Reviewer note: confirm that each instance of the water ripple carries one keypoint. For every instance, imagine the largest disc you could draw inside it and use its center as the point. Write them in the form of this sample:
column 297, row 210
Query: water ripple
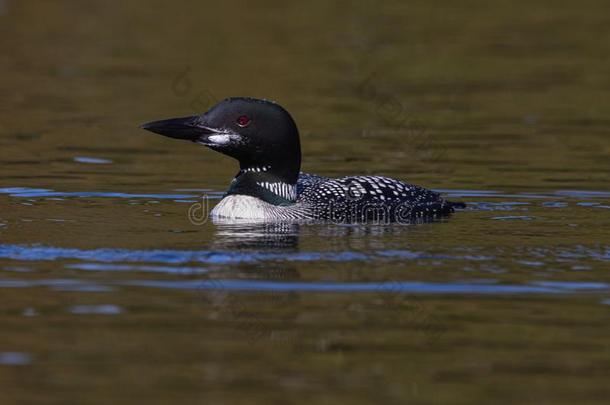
column 24, row 192
column 45, row 253
column 106, row 309
column 15, row 358
column 392, row 288
column 92, row 160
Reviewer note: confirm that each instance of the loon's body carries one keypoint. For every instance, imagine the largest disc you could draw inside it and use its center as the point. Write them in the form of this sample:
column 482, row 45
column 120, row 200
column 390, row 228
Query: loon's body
column 262, row 136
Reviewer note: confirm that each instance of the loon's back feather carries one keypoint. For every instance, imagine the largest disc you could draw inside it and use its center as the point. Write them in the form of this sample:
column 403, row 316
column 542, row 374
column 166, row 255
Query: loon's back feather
column 365, row 198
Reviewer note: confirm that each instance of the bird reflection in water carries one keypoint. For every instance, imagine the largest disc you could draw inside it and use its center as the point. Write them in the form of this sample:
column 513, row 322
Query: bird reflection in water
column 261, row 237
column 252, row 235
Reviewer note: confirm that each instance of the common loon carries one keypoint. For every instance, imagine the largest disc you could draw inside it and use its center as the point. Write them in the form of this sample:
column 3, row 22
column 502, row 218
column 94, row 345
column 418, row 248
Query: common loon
column 263, row 137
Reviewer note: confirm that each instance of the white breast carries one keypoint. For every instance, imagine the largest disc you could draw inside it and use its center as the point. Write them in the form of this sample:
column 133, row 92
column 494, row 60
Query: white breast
column 247, row 207
column 243, row 207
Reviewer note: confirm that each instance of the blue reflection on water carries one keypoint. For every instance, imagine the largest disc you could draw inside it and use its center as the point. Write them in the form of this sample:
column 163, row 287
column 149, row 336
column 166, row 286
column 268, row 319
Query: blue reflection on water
column 92, row 160
column 15, row 358
column 43, row 192
column 392, row 288
column 21, row 252
column 106, row 309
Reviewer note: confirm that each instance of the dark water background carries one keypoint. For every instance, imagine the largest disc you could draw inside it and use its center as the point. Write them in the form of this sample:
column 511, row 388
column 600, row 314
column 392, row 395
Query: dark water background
column 110, row 295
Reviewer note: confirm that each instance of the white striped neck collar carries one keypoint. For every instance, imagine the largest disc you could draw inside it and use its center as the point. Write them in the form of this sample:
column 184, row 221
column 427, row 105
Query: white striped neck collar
column 262, row 183
column 284, row 190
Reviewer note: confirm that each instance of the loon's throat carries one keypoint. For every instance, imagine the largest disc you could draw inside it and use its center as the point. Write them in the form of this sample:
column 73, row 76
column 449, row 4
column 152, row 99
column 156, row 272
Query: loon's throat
column 264, row 185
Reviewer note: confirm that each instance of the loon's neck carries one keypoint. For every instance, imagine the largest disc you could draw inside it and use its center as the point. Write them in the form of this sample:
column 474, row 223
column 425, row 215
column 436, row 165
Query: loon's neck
column 265, row 183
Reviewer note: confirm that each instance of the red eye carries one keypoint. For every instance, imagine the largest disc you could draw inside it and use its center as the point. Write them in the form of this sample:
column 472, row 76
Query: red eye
column 243, row 121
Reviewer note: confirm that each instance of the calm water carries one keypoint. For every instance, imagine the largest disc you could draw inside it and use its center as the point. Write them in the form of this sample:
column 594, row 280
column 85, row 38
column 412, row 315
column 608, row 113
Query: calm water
column 110, row 294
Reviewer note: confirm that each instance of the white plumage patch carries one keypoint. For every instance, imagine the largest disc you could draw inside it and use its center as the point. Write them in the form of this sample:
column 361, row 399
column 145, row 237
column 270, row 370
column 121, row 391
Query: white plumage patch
column 247, row 207
column 223, row 139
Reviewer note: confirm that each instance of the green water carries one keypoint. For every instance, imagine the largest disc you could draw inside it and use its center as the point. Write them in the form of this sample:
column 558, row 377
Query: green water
column 110, row 295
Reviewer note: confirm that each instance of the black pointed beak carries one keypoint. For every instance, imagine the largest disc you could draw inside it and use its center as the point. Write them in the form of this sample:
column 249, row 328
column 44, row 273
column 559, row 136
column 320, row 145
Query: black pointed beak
column 187, row 128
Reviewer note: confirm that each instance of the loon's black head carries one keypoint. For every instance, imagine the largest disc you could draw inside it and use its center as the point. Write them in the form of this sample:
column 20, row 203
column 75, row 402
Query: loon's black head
column 260, row 134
